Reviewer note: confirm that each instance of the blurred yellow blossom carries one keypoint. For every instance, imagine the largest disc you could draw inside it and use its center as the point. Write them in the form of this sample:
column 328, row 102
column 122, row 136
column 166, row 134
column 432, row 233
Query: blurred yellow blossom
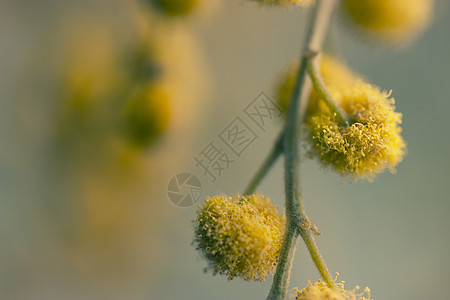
column 174, row 8
column 396, row 21
column 147, row 114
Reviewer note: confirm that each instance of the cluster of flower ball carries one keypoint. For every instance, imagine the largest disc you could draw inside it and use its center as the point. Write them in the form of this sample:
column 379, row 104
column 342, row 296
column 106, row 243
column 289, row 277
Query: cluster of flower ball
column 122, row 90
column 126, row 90
column 241, row 236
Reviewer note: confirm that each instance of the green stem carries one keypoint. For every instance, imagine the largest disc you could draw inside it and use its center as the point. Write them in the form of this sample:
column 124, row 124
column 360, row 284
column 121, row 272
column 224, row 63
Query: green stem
column 322, row 90
column 320, row 87
column 295, row 212
column 281, row 279
column 266, row 166
column 317, row 258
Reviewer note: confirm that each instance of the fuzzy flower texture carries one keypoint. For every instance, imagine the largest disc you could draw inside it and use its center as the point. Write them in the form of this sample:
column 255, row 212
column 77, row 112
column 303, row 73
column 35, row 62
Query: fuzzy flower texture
column 366, row 146
column 320, row 291
column 240, row 235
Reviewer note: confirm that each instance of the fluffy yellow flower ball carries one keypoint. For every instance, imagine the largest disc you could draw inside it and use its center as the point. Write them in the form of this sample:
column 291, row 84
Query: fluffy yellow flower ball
column 240, row 235
column 393, row 20
column 320, row 291
column 369, row 144
column 286, row 2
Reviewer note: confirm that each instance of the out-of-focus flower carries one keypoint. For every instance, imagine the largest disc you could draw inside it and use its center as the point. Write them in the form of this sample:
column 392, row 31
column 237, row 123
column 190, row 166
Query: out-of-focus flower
column 173, row 8
column 146, row 114
column 396, row 21
column 129, row 99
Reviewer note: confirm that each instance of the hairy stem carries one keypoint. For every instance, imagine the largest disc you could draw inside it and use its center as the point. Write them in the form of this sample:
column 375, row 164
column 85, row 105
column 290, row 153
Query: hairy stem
column 266, row 166
column 322, row 90
column 295, row 212
column 317, row 258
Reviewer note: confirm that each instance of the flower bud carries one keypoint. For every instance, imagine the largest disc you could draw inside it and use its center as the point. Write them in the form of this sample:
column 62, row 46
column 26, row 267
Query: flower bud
column 147, row 114
column 240, row 235
column 392, row 20
column 173, row 8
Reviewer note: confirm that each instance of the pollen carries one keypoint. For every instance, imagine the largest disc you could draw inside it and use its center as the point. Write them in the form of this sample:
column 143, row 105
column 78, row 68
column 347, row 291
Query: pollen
column 239, row 236
column 366, row 146
column 320, row 291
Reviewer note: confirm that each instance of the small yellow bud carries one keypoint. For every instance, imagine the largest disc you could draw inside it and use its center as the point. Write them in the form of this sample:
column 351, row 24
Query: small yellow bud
column 320, row 291
column 240, row 235
column 286, row 2
column 392, row 20
column 147, row 114
column 369, row 144
column 173, row 8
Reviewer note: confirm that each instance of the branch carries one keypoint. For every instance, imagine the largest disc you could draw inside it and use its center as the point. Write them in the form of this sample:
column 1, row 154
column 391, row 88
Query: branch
column 295, row 212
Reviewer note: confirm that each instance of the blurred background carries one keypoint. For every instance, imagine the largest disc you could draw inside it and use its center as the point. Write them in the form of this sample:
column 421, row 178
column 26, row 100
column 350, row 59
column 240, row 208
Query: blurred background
column 103, row 102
